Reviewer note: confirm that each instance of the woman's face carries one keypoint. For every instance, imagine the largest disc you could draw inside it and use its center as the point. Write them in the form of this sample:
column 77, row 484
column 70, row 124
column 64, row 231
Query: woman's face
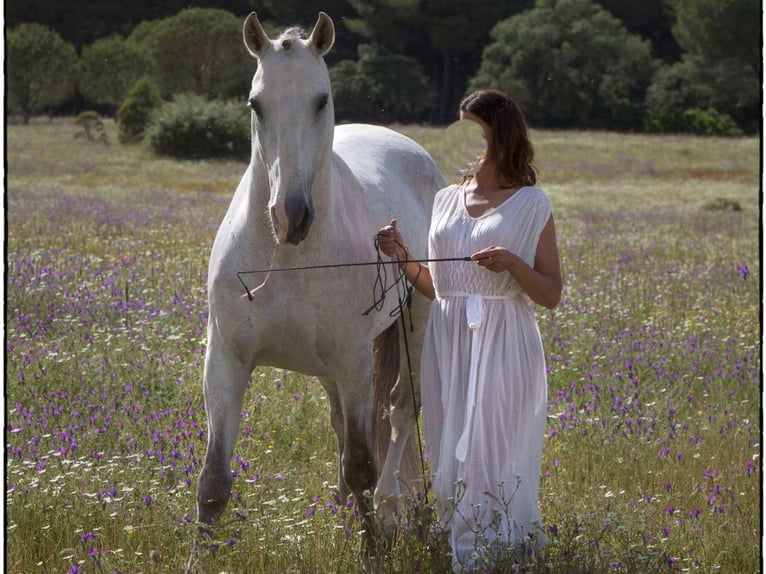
column 485, row 129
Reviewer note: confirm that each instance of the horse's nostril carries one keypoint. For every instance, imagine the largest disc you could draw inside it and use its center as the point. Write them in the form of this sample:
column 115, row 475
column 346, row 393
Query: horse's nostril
column 300, row 215
column 306, row 219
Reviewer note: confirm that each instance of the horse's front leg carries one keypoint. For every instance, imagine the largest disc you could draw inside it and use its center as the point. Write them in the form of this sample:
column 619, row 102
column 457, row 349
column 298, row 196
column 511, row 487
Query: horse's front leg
column 225, row 381
column 336, row 420
column 357, row 458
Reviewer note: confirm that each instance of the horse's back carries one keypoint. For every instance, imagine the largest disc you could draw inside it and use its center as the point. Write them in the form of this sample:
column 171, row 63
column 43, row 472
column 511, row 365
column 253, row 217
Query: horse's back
column 385, row 160
column 397, row 176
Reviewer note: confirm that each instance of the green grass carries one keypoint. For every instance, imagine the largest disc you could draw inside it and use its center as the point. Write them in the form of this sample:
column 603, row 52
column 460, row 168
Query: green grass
column 652, row 454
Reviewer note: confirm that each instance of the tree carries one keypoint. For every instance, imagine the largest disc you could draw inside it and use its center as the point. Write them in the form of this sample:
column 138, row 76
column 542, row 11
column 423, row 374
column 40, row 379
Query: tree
column 721, row 69
column 458, row 32
column 569, row 63
column 381, row 87
column 40, row 69
column 199, row 50
column 445, row 36
column 109, row 67
column 722, row 31
column 652, row 20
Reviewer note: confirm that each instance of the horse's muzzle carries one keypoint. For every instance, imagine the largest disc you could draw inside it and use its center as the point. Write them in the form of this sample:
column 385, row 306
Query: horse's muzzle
column 300, row 215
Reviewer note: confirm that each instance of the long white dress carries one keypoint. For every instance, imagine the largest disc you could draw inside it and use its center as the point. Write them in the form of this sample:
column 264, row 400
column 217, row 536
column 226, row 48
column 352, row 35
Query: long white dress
column 483, row 379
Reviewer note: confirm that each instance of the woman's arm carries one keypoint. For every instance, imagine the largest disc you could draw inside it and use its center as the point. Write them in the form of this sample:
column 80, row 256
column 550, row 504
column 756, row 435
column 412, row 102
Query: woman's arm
column 542, row 282
column 392, row 244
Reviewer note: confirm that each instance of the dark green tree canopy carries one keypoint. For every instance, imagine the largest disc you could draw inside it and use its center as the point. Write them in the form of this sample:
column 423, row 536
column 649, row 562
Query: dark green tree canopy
column 569, row 63
column 198, row 50
column 109, row 68
column 585, row 65
column 40, row 69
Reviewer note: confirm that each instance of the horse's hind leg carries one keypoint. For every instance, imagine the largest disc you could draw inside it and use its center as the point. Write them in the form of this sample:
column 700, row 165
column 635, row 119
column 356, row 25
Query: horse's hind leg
column 224, row 384
column 401, row 466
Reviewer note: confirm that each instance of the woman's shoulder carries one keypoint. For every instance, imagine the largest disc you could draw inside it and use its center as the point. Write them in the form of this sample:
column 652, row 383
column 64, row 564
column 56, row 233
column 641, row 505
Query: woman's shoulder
column 538, row 197
column 447, row 194
column 450, row 190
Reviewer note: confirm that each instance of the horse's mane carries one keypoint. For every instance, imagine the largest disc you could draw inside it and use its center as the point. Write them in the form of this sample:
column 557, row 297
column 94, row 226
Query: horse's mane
column 291, row 35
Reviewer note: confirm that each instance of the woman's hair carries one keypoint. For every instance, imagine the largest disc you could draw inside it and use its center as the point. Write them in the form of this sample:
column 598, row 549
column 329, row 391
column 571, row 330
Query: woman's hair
column 509, row 147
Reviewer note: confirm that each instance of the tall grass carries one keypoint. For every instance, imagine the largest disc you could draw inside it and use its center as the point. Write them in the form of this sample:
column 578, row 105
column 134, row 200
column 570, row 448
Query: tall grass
column 652, row 454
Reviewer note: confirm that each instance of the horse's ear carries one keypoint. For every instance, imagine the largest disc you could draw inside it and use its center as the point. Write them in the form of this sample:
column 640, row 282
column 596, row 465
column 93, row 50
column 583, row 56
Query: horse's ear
column 255, row 38
column 323, row 35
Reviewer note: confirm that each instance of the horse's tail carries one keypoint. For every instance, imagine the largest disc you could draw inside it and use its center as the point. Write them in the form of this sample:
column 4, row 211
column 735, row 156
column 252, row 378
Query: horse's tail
column 387, row 361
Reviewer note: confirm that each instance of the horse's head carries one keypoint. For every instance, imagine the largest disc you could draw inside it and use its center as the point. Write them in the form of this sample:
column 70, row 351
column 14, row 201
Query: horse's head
column 292, row 119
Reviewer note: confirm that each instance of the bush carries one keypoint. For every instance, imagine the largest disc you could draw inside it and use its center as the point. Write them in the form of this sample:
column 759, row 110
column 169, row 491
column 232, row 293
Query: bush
column 193, row 128
column 708, row 122
column 135, row 112
column 92, row 127
column 723, row 204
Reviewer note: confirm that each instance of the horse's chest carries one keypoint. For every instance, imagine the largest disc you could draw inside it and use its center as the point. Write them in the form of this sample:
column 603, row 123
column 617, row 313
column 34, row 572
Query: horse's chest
column 284, row 329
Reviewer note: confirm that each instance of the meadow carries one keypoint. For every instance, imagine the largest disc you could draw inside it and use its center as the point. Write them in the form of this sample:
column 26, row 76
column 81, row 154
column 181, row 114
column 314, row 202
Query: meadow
column 652, row 453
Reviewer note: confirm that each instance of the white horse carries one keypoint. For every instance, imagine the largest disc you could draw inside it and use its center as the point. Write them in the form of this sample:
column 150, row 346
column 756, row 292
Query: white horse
column 314, row 194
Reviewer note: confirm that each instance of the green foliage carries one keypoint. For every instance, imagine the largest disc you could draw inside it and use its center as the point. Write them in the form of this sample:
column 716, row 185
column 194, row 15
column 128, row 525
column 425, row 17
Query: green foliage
column 199, row 50
column 708, row 122
column 569, row 63
column 698, row 83
column 92, row 127
column 381, row 87
column 191, row 127
column 109, row 67
column 722, row 30
column 722, row 64
column 40, row 69
column 135, row 112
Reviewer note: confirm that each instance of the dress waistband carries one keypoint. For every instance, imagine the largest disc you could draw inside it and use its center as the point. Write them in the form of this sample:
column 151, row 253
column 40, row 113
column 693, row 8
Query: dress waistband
column 442, row 294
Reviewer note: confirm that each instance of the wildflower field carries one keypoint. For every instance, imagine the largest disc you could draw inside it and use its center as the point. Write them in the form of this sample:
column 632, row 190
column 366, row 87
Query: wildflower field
column 652, row 454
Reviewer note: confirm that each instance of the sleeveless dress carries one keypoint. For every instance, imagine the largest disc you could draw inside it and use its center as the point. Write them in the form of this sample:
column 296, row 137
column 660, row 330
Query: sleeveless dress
column 483, row 379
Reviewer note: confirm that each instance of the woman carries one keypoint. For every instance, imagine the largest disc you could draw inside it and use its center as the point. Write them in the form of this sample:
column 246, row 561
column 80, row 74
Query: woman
column 483, row 377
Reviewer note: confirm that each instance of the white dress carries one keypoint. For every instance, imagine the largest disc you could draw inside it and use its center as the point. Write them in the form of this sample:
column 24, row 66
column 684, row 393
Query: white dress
column 483, row 378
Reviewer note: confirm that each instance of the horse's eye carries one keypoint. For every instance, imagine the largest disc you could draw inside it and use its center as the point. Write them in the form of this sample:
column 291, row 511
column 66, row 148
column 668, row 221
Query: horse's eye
column 322, row 102
column 256, row 107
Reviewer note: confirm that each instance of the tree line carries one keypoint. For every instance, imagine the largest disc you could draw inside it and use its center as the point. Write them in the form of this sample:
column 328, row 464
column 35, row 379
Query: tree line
column 658, row 65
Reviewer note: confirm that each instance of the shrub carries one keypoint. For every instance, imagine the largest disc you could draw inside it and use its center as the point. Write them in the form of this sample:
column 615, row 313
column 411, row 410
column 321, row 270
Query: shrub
column 135, row 112
column 193, row 128
column 723, row 204
column 708, row 122
column 92, row 127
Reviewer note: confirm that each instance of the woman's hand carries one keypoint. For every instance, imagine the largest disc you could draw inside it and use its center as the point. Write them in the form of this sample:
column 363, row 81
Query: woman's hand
column 391, row 242
column 497, row 259
column 542, row 282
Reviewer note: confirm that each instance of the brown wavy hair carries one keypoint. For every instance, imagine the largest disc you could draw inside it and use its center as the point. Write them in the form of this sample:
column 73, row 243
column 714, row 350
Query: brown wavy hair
column 509, row 147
